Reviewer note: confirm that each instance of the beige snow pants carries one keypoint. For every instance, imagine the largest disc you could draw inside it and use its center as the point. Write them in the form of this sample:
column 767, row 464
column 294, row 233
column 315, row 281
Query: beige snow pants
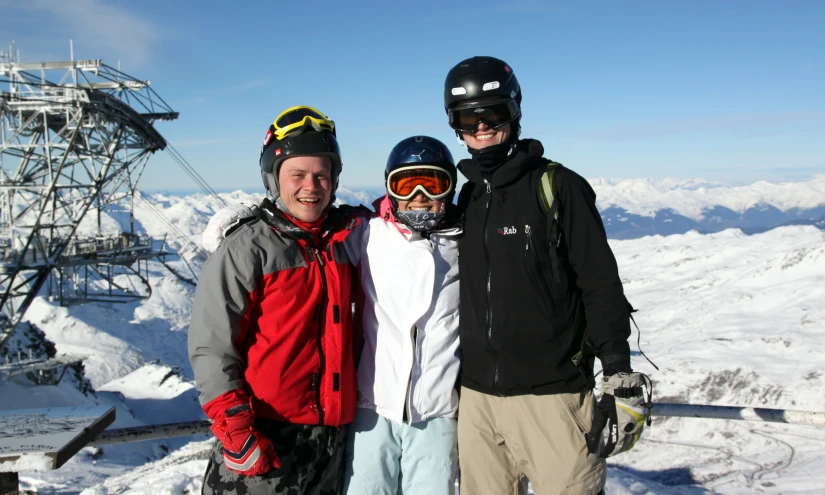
column 542, row 437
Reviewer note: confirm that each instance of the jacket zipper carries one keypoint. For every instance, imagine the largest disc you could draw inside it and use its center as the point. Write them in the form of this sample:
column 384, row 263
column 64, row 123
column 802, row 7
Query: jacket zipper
column 529, row 233
column 412, row 370
column 321, row 359
column 489, row 278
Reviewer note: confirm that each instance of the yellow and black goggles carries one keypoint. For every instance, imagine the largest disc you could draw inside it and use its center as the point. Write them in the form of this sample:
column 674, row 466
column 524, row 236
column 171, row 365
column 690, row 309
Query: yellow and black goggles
column 297, row 118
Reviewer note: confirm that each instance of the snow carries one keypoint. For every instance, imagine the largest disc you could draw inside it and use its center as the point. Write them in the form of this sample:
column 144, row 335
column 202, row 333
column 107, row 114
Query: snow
column 692, row 197
column 729, row 319
column 27, row 462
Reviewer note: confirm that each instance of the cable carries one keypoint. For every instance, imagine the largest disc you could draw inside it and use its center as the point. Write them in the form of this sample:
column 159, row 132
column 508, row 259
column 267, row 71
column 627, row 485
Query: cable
column 190, row 170
column 187, row 243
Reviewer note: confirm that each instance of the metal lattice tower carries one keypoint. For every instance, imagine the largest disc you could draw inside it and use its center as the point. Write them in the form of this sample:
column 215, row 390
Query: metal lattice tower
column 75, row 137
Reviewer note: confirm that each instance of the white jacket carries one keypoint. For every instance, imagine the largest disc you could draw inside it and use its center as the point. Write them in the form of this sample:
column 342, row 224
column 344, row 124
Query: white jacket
column 411, row 350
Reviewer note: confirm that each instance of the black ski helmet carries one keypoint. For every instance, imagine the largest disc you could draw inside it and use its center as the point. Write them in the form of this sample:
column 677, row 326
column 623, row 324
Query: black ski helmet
column 308, row 141
column 422, row 150
column 474, row 81
column 480, row 81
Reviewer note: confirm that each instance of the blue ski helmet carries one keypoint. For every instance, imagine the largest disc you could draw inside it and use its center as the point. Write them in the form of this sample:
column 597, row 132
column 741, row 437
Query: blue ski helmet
column 422, row 150
column 408, row 158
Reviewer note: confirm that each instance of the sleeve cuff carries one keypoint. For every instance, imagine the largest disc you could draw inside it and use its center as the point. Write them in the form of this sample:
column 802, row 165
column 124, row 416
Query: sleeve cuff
column 217, row 407
column 613, row 366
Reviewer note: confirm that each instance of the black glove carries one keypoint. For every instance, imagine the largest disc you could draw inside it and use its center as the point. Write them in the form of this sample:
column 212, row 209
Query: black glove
column 624, row 409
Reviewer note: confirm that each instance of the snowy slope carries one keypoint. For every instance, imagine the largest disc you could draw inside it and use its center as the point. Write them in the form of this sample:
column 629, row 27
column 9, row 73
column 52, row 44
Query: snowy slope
column 730, row 319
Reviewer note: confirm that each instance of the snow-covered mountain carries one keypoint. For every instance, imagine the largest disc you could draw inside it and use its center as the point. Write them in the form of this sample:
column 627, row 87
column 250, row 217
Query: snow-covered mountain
column 633, row 208
column 639, row 207
column 730, row 319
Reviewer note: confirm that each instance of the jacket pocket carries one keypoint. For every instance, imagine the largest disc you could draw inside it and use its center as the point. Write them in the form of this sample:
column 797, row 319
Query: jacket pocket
column 536, row 267
column 579, row 408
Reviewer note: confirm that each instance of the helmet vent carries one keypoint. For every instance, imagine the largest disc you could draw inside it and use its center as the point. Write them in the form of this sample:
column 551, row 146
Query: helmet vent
column 490, row 85
column 459, row 91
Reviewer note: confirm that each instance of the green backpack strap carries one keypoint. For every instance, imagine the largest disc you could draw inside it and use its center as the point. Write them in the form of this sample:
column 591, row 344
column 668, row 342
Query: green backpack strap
column 549, row 204
column 548, row 201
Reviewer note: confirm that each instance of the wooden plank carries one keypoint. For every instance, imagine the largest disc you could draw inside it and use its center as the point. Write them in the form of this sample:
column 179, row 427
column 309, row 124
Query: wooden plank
column 56, row 433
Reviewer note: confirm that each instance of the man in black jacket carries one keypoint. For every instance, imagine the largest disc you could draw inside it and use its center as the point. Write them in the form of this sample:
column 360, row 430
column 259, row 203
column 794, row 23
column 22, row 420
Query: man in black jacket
column 541, row 298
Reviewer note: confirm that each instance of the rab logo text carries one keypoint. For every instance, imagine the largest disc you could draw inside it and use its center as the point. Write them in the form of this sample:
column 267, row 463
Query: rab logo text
column 506, row 231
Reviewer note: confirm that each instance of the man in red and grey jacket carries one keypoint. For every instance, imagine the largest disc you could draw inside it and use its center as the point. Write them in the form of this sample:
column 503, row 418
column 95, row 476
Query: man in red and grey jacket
column 271, row 339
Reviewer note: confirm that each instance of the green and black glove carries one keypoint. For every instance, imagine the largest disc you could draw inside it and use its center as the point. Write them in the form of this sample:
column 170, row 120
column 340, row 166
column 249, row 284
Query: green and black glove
column 624, row 409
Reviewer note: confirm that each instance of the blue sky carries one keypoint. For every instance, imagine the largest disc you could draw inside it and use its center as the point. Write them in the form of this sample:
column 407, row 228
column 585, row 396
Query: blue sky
column 722, row 90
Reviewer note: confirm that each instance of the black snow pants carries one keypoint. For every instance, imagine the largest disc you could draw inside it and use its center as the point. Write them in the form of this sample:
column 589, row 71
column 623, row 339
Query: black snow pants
column 311, row 463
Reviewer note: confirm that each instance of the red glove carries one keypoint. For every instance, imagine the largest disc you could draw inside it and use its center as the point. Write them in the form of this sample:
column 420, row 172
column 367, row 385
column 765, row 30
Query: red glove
column 245, row 449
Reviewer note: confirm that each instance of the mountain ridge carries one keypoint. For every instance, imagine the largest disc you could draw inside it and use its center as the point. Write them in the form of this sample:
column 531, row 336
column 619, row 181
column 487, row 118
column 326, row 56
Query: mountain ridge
column 634, row 208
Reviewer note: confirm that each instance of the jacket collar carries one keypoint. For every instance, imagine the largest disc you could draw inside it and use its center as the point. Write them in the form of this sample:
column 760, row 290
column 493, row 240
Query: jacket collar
column 386, row 210
column 528, row 155
column 276, row 219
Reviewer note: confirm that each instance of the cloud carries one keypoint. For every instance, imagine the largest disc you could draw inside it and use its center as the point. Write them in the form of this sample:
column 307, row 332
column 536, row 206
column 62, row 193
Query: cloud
column 94, row 25
column 738, row 122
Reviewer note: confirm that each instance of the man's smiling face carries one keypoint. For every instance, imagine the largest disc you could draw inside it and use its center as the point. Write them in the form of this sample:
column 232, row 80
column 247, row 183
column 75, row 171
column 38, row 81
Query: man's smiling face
column 305, row 184
column 486, row 136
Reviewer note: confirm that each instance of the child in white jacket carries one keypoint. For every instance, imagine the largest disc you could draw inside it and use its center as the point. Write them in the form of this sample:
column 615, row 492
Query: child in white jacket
column 403, row 439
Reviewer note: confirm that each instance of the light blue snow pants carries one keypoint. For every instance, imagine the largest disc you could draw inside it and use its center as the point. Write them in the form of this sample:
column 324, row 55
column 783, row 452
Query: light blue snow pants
column 387, row 458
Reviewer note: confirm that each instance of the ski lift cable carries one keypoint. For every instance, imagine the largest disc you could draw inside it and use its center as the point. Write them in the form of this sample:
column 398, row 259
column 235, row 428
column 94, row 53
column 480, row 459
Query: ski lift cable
column 174, row 229
column 190, row 170
column 185, row 241
column 198, row 180
column 191, row 175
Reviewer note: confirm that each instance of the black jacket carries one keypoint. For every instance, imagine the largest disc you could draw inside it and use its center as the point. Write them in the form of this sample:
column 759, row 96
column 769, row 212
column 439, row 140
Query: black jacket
column 525, row 307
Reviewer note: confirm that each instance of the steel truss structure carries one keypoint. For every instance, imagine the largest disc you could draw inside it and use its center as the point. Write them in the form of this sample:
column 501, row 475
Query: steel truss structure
column 75, row 138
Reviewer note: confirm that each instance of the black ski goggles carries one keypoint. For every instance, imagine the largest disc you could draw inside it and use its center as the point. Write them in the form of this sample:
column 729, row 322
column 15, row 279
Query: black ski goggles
column 494, row 115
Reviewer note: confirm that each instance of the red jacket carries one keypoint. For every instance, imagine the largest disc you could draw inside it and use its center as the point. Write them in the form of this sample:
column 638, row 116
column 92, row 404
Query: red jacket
column 272, row 321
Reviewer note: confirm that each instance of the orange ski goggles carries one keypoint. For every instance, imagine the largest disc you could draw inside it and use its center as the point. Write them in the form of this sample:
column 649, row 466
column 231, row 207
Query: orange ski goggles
column 404, row 183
